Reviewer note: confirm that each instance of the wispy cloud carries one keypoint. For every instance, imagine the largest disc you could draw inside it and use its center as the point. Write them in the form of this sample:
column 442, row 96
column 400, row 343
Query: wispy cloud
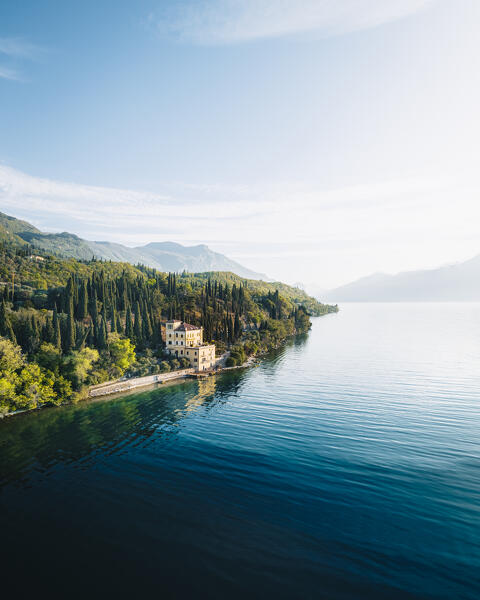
column 290, row 231
column 6, row 73
column 19, row 48
column 235, row 21
column 15, row 50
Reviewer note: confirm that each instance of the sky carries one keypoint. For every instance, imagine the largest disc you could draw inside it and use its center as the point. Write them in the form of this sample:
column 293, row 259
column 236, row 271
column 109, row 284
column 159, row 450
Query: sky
column 317, row 141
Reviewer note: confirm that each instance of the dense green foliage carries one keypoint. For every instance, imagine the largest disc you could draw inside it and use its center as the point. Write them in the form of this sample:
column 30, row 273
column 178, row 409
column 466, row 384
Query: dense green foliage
column 67, row 324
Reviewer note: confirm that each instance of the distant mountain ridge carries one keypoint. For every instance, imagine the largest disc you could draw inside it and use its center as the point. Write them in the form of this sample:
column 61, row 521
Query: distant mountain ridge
column 458, row 282
column 164, row 256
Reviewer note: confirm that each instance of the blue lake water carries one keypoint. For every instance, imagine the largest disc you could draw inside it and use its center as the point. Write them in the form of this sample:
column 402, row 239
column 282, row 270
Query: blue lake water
column 346, row 465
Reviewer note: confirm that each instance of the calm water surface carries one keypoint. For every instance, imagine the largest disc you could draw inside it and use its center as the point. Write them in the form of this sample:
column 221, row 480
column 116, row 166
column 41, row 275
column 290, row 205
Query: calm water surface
column 347, row 465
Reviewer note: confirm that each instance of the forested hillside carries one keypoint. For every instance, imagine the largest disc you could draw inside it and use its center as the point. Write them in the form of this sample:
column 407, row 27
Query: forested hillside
column 67, row 324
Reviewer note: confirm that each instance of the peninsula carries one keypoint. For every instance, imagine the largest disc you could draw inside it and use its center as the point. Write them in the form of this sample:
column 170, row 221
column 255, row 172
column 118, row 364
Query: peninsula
column 68, row 324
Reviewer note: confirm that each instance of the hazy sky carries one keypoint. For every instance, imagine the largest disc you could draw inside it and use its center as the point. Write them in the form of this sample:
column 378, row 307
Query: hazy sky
column 313, row 140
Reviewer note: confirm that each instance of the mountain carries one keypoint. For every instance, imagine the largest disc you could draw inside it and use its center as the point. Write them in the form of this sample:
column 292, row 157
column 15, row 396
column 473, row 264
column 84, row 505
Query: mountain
column 10, row 227
column 458, row 282
column 164, row 256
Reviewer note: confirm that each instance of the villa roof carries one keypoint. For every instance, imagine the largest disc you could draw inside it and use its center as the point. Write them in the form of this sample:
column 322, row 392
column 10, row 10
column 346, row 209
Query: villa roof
column 187, row 327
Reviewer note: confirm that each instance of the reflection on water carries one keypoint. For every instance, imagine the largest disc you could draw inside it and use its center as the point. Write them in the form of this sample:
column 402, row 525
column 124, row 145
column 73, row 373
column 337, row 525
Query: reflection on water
column 346, row 465
column 37, row 441
column 205, row 393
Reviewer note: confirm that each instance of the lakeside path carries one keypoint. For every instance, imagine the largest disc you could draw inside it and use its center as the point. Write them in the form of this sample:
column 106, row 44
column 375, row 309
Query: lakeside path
column 122, row 387
column 125, row 385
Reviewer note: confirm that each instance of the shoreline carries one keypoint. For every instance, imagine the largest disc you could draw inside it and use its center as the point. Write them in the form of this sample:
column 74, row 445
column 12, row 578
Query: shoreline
column 129, row 386
column 120, row 386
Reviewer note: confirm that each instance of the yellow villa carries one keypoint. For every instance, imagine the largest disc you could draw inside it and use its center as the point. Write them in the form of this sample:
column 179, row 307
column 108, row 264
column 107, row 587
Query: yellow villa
column 186, row 341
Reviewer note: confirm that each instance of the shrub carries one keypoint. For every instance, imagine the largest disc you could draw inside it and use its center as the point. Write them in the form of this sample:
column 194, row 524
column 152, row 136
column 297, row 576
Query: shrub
column 164, row 367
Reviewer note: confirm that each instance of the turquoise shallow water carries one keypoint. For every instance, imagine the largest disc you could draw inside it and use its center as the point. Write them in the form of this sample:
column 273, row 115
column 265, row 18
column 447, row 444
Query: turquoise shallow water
column 347, row 465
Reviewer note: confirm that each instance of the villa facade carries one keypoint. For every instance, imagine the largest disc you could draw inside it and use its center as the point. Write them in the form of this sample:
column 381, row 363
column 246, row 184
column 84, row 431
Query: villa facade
column 186, row 341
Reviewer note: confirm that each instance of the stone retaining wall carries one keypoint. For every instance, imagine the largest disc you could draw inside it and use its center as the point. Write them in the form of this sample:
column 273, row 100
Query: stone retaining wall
column 122, row 385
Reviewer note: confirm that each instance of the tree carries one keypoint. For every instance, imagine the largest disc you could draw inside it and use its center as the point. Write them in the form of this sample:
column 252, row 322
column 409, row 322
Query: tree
column 146, row 324
column 78, row 365
column 122, row 352
column 22, row 385
column 237, row 327
column 184, row 363
column 6, row 328
column 128, row 324
column 137, row 326
column 7, row 394
column 113, row 319
column 101, row 339
column 82, row 306
column 164, row 366
column 34, row 387
column 11, row 357
column 93, row 307
column 57, row 336
column 63, row 390
column 49, row 357
column 69, row 341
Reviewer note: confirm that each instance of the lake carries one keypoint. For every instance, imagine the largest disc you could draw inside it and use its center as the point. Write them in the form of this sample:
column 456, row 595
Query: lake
column 346, row 465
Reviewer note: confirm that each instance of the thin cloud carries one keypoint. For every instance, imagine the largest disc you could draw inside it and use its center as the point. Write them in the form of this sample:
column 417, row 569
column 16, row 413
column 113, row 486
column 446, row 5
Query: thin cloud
column 236, row 21
column 15, row 50
column 280, row 229
column 6, row 73
column 19, row 48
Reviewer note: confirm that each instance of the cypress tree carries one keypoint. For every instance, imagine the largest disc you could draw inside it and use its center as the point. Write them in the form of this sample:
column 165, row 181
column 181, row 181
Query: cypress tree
column 70, row 329
column 128, row 324
column 47, row 333
column 6, row 328
column 82, row 308
column 146, row 324
column 83, row 334
column 237, row 327
column 113, row 319
column 157, row 333
column 93, row 308
column 80, row 335
column 4, row 319
column 119, row 327
column 34, row 334
column 137, row 326
column 90, row 337
column 102, row 334
column 57, row 336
